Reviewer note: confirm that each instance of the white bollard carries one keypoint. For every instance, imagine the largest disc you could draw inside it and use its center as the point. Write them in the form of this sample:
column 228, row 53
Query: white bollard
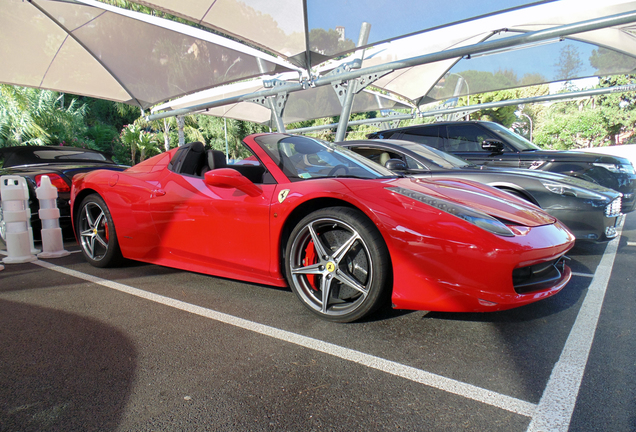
column 34, row 250
column 1, row 266
column 52, row 243
column 15, row 213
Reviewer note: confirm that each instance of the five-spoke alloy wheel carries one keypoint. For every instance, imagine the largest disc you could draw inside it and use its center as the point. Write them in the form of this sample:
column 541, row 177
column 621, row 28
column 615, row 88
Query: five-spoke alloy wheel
column 337, row 263
column 96, row 233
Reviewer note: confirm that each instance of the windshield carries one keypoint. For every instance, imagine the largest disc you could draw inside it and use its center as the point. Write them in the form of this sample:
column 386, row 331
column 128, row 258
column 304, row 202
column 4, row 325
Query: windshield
column 303, row 158
column 519, row 142
column 68, row 154
column 438, row 157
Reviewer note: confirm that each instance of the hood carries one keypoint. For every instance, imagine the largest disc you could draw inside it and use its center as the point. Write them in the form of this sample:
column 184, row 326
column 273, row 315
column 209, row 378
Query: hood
column 573, row 156
column 486, row 199
column 555, row 177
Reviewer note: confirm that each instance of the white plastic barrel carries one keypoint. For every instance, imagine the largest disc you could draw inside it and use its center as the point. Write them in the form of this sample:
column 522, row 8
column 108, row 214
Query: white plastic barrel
column 52, row 242
column 15, row 195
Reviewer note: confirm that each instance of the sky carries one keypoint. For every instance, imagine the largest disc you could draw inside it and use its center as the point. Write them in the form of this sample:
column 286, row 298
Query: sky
column 390, row 18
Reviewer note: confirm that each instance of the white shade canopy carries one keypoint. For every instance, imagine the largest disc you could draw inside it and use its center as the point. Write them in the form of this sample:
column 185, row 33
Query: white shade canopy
column 299, row 31
column 92, row 49
column 601, row 52
column 310, row 31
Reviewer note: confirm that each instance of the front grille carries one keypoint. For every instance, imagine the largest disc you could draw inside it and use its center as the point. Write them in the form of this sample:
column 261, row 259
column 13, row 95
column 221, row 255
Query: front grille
column 614, row 208
column 539, row 276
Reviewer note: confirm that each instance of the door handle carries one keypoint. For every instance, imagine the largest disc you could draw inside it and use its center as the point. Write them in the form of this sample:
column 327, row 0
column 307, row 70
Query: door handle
column 157, row 193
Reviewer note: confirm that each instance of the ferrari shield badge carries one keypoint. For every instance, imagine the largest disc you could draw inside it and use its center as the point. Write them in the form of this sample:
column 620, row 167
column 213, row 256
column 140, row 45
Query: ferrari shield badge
column 282, row 195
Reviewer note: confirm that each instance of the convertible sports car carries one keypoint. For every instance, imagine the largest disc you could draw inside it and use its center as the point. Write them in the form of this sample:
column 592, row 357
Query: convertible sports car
column 345, row 233
column 60, row 164
column 589, row 210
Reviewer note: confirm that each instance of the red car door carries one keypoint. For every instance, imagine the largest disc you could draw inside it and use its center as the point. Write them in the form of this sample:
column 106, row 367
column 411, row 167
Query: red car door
column 202, row 226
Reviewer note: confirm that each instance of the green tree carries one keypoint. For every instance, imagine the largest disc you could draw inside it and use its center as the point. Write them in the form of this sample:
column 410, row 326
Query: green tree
column 37, row 117
column 19, row 117
column 328, row 42
column 147, row 144
column 608, row 62
column 569, row 64
column 129, row 137
column 592, row 122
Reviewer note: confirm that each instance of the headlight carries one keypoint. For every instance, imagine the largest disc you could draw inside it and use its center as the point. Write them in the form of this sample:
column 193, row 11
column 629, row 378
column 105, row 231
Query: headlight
column 569, row 190
column 616, row 168
column 614, row 208
column 482, row 220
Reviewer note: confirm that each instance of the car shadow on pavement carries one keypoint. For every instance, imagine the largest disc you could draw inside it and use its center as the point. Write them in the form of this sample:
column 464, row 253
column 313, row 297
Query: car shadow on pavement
column 61, row 371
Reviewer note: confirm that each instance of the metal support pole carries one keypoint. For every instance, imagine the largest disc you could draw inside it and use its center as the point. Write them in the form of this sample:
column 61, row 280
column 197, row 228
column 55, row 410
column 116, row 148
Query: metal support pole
column 352, row 87
column 181, row 126
column 227, row 147
column 278, row 106
column 275, row 106
column 345, row 113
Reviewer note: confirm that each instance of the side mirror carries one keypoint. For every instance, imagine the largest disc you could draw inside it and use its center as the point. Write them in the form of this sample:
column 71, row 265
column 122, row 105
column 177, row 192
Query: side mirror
column 492, row 146
column 231, row 178
column 395, row 165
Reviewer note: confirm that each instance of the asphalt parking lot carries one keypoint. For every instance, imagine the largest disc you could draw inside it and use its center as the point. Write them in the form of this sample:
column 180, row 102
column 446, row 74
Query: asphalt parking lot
column 148, row 348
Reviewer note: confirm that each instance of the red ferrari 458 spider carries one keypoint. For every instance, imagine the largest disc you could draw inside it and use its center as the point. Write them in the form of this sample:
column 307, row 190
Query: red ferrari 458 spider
column 344, row 233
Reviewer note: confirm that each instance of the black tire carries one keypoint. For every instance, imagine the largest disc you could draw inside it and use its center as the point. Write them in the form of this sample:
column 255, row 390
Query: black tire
column 96, row 233
column 346, row 277
column 517, row 193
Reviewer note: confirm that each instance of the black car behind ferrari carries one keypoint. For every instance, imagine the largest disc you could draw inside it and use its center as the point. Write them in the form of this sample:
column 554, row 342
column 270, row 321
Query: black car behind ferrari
column 589, row 210
column 60, row 164
column 491, row 144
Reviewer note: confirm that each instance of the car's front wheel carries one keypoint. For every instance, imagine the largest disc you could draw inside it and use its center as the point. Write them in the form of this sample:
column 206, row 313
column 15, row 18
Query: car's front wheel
column 96, row 233
column 338, row 265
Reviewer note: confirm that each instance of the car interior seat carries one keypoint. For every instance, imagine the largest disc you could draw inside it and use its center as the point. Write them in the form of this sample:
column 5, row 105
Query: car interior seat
column 193, row 160
column 384, row 158
column 213, row 159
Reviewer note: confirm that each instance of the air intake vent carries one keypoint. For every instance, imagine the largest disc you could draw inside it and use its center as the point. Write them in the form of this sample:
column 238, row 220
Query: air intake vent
column 539, row 276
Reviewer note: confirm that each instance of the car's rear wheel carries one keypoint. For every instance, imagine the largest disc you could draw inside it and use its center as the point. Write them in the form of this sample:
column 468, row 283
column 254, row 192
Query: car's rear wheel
column 338, row 265
column 96, row 233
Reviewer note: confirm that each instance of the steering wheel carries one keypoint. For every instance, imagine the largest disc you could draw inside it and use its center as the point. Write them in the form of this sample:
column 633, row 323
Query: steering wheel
column 335, row 169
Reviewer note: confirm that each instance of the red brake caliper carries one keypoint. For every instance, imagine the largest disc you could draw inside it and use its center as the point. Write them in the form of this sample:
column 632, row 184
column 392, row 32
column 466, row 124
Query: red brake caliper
column 106, row 230
column 311, row 258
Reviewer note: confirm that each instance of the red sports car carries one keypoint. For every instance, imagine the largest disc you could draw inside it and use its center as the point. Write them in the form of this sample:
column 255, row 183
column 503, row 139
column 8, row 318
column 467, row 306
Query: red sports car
column 343, row 232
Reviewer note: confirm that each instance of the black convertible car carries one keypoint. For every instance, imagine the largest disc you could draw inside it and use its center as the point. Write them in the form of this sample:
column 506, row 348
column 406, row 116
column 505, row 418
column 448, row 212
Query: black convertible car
column 60, row 164
column 491, row 144
column 589, row 210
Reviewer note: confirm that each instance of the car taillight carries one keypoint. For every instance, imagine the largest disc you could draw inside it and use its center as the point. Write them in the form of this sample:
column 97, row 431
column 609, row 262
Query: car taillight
column 56, row 180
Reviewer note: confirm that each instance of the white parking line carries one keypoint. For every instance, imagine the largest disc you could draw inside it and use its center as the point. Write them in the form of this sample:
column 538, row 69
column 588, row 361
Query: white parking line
column 588, row 275
column 556, row 406
column 4, row 252
column 469, row 391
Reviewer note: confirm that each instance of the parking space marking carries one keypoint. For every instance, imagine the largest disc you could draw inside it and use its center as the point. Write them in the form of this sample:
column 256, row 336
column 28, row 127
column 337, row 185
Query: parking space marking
column 588, row 275
column 4, row 252
column 556, row 406
column 439, row 382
